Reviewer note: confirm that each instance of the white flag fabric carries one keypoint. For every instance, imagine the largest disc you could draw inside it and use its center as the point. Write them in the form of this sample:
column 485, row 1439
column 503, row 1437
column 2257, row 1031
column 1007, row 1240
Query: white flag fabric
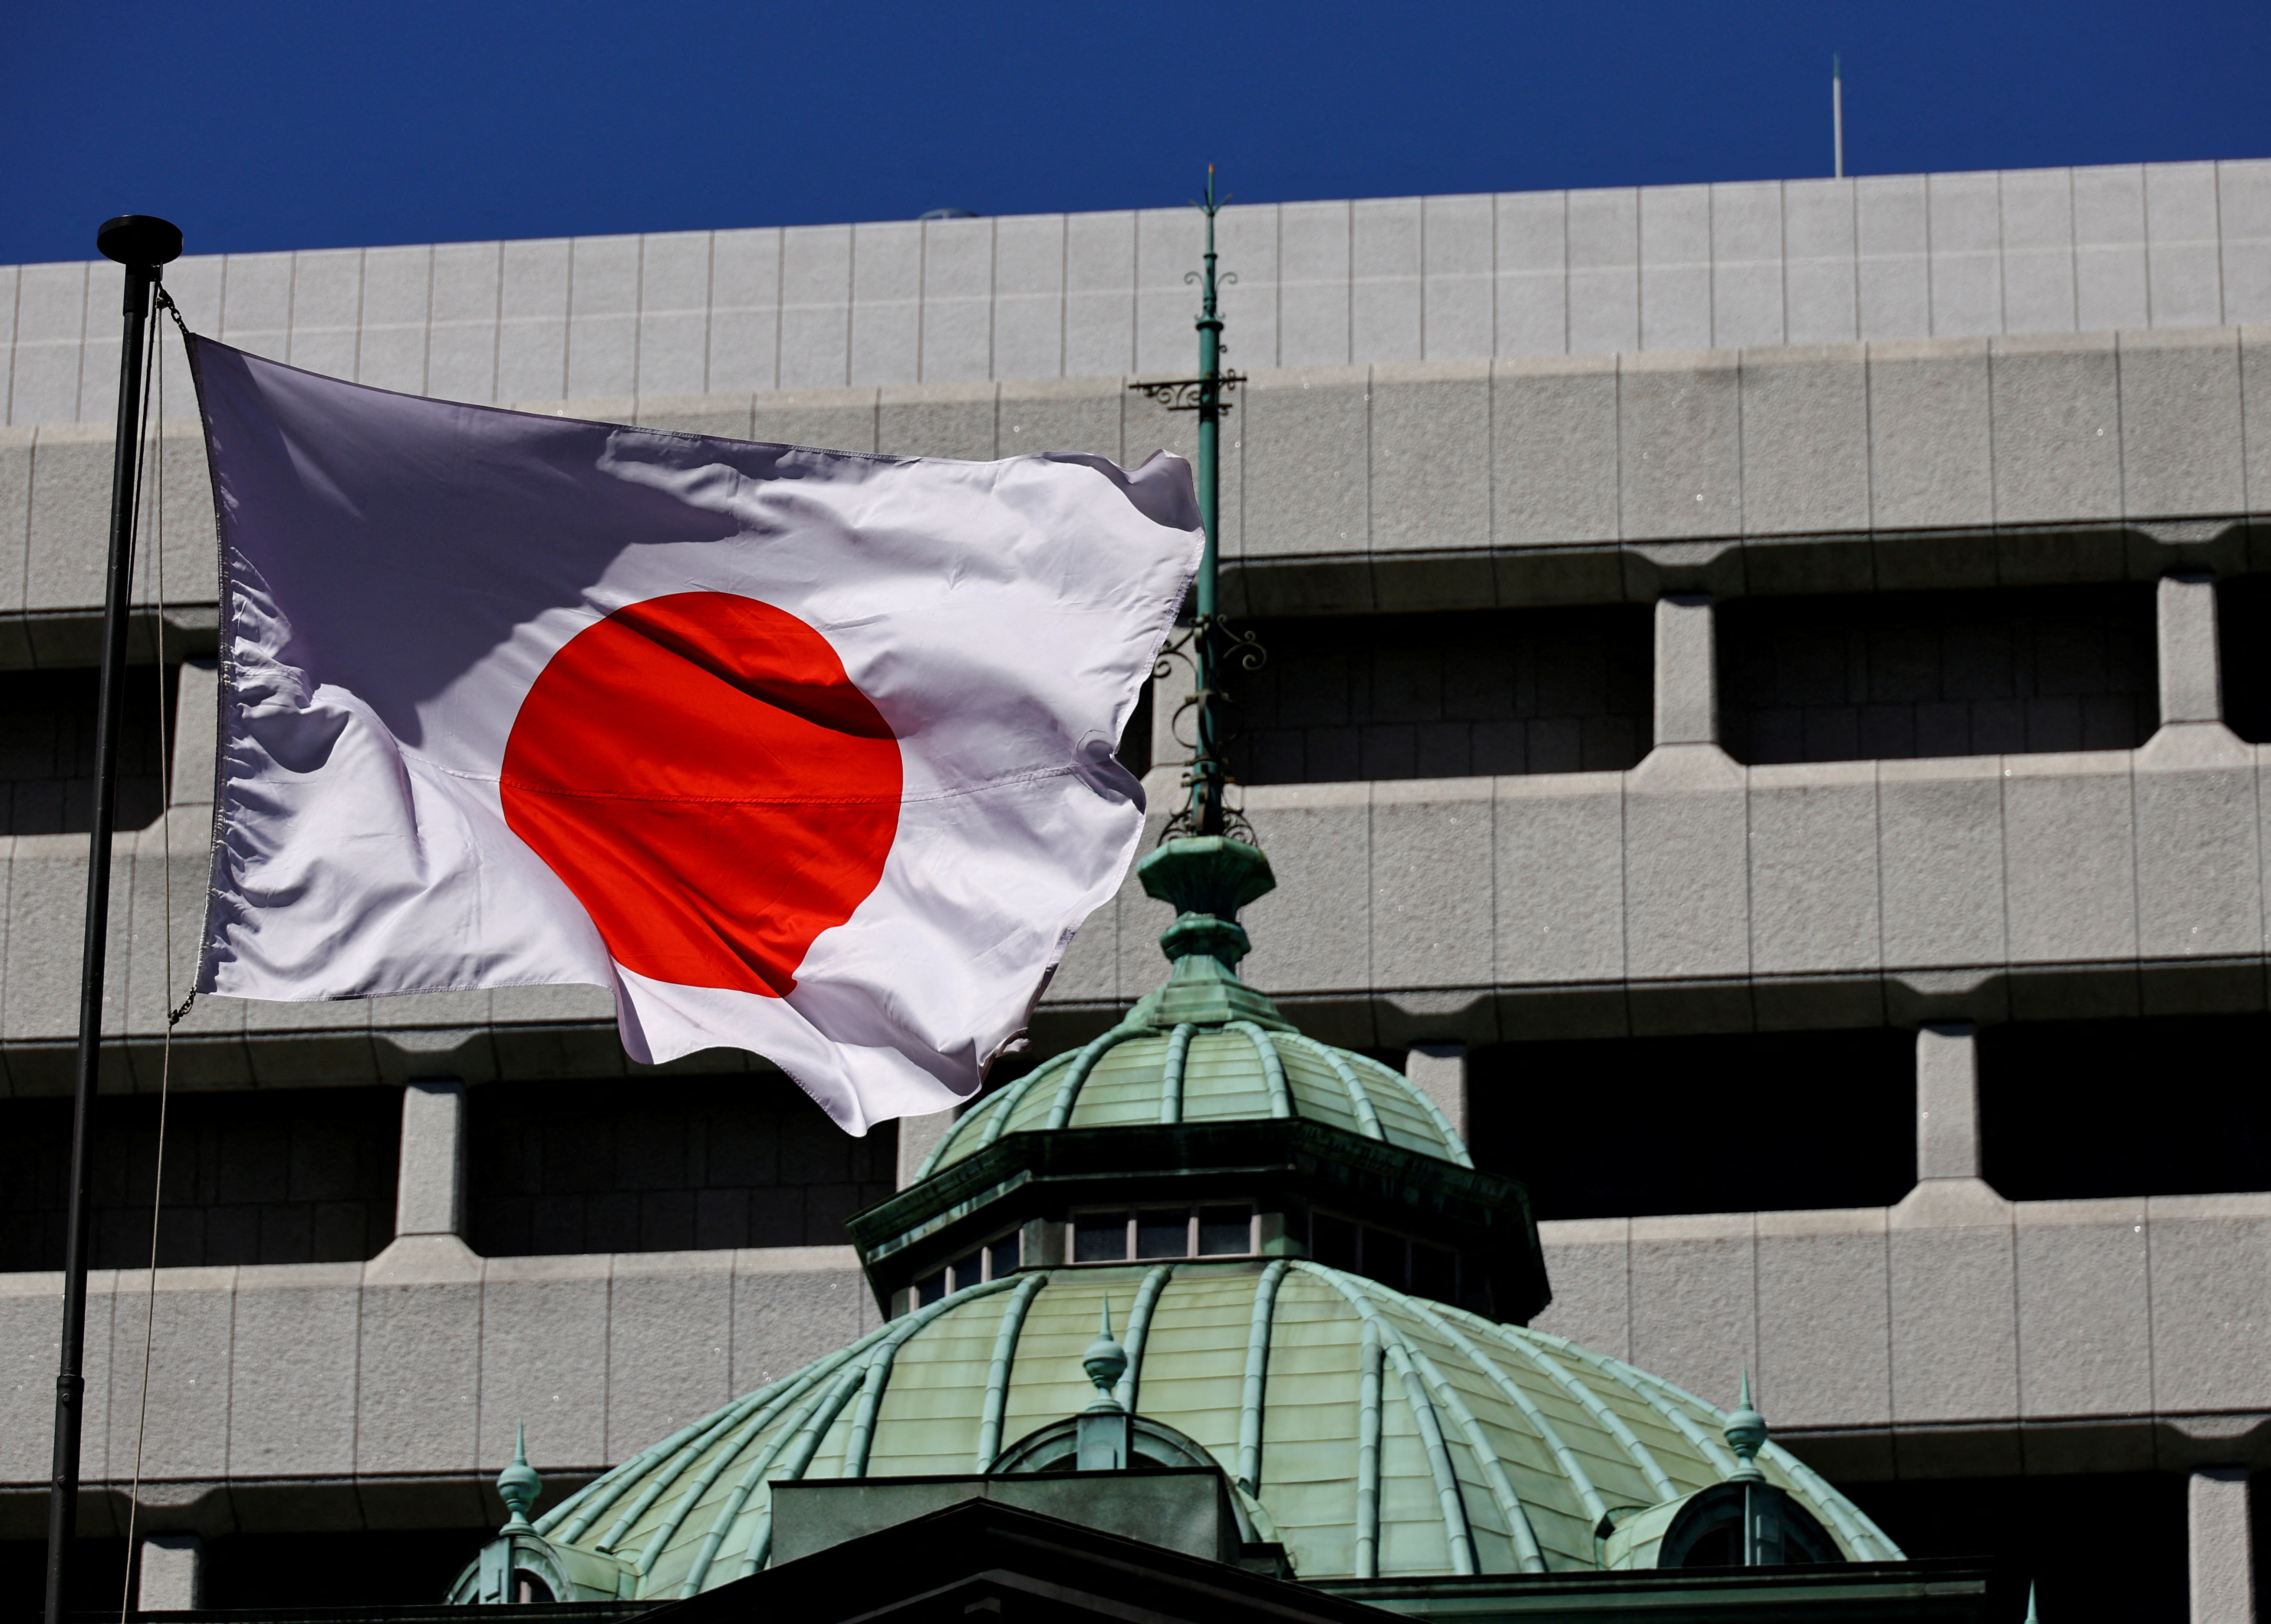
column 808, row 752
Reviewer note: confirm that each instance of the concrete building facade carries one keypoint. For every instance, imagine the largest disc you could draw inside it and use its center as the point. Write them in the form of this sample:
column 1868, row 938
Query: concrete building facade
column 1766, row 722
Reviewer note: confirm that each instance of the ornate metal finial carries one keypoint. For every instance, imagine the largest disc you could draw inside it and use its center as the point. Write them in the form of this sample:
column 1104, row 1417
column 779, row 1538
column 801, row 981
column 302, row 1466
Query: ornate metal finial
column 518, row 1486
column 1746, row 1435
column 2032, row 1616
column 1106, row 1362
column 1207, row 879
column 1206, row 778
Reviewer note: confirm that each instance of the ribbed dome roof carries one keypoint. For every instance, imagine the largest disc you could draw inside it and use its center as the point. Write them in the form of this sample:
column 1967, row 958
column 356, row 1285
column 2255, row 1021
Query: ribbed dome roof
column 1193, row 1073
column 1380, row 1433
column 1206, row 1047
column 1374, row 1433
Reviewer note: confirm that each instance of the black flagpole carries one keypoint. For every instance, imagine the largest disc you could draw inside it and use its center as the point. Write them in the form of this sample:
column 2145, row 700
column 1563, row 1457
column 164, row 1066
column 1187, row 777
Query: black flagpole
column 142, row 243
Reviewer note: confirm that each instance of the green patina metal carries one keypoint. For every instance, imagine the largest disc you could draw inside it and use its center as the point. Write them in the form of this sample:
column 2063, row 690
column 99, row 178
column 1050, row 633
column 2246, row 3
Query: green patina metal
column 997, row 1374
column 1139, row 1326
column 1746, row 1431
column 1367, row 1455
column 1257, row 1373
column 517, row 1485
column 1386, row 1435
column 1206, row 779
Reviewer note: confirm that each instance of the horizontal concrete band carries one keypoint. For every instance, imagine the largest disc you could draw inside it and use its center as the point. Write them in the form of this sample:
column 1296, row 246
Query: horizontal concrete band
column 1431, row 896
column 419, row 1363
column 1954, row 1309
column 1327, row 283
column 2091, row 1326
column 1459, row 483
column 379, row 1502
column 1692, row 870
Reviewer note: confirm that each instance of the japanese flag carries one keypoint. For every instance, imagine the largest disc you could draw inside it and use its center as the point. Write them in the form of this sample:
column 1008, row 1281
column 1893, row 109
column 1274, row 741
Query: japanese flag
column 804, row 752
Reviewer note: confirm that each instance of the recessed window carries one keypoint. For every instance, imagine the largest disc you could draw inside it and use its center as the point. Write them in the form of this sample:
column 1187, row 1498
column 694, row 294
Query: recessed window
column 996, row 1260
column 1118, row 1236
column 1225, row 1231
column 1101, row 1238
column 1463, row 693
column 1852, row 1145
column 1879, row 676
column 2057, row 1121
column 46, row 747
column 1434, row 1272
column 1404, row 1261
column 252, row 1176
column 2242, row 610
column 676, row 1163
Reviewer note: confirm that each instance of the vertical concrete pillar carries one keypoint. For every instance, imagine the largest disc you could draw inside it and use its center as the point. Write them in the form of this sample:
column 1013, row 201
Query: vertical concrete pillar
column 918, row 1136
column 2192, row 684
column 173, row 1574
column 1686, row 670
column 430, row 1194
column 1438, row 1070
column 2223, row 1546
column 1947, row 1101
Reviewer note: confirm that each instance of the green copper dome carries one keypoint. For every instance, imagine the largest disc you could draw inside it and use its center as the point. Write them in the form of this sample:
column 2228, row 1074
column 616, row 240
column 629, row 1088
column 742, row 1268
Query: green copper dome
column 1192, row 1073
column 1375, row 1433
column 1204, row 1100
column 1206, row 1047
column 1317, row 1294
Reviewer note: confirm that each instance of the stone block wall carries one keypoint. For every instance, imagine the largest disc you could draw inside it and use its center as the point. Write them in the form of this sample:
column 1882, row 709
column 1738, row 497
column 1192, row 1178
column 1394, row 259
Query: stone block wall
column 1444, row 695
column 1327, row 283
column 1434, row 426
column 1898, row 676
column 679, row 1164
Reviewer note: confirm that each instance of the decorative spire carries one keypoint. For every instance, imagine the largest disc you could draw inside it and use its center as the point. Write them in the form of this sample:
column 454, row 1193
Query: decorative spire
column 2032, row 1616
column 1206, row 777
column 1104, row 1434
column 518, row 1486
column 1746, row 1435
column 1207, row 879
column 1106, row 1362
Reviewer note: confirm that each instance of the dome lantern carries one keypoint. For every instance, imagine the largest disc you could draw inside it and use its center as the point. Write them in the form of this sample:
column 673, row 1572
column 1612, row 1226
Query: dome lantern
column 1205, row 1124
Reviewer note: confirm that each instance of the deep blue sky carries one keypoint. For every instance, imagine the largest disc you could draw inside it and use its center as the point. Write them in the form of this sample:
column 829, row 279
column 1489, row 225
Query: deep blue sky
column 307, row 125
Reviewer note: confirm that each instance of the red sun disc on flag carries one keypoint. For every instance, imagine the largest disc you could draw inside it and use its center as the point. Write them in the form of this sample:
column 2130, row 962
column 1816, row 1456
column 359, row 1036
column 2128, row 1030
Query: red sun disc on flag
column 710, row 783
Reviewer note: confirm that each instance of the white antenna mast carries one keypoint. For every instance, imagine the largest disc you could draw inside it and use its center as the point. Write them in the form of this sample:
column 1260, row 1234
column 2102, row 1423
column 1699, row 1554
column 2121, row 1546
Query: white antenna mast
column 1837, row 115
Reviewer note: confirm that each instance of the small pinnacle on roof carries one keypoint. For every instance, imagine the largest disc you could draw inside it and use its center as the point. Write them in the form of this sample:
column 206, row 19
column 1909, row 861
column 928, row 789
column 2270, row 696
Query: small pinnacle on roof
column 518, row 1486
column 1746, row 1435
column 1106, row 1362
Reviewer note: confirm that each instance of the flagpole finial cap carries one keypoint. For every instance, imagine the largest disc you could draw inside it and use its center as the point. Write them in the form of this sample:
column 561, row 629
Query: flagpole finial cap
column 139, row 241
